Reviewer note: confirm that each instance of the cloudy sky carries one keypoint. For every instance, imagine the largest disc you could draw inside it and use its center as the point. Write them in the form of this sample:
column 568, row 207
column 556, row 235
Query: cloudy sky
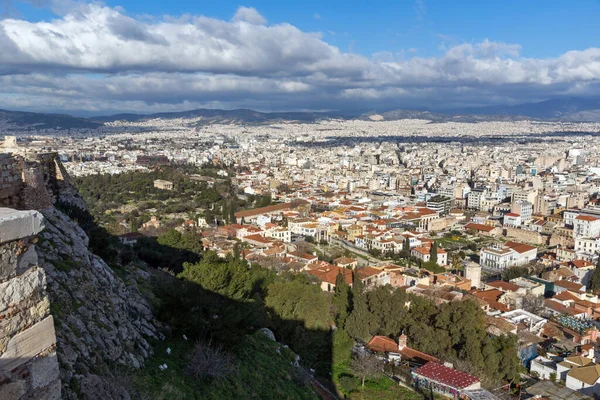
column 146, row 56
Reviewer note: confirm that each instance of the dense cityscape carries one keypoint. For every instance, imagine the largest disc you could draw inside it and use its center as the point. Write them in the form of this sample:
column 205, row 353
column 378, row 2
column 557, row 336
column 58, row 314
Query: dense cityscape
column 382, row 200
column 502, row 214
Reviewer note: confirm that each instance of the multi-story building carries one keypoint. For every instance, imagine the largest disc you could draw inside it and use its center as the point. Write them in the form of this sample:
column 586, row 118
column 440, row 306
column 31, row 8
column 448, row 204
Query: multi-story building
column 440, row 204
column 524, row 208
column 510, row 255
column 586, row 226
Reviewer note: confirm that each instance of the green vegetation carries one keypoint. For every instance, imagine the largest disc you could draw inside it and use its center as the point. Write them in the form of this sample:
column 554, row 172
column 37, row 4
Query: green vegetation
column 224, row 302
column 514, row 272
column 123, row 202
column 594, row 284
column 262, row 369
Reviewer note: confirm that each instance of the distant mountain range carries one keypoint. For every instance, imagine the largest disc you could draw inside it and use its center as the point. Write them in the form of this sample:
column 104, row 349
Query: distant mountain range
column 210, row 116
column 31, row 120
column 568, row 109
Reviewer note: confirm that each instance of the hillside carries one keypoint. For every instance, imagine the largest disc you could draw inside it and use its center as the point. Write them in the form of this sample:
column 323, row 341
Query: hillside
column 30, row 120
column 215, row 116
column 568, row 109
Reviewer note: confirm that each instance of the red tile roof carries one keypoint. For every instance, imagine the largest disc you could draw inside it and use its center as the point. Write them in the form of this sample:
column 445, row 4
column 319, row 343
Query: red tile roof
column 504, row 286
column 446, row 376
column 382, row 344
column 479, row 227
column 519, row 247
column 586, row 218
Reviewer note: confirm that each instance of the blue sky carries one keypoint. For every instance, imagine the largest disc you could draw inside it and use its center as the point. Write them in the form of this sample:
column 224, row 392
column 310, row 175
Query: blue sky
column 543, row 28
column 361, row 53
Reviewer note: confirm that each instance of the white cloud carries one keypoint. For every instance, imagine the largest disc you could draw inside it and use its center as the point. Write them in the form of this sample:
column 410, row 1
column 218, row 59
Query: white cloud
column 249, row 14
column 196, row 60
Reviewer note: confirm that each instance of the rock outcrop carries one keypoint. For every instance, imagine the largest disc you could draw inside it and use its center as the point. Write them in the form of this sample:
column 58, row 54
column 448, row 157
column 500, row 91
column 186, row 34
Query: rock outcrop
column 101, row 323
column 70, row 327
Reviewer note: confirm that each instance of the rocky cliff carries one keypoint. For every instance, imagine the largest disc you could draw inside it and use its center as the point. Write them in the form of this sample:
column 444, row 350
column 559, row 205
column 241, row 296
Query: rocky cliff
column 101, row 323
column 70, row 327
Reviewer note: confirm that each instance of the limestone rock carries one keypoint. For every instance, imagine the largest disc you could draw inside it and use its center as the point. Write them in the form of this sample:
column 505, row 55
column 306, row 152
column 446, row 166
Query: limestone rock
column 100, row 321
column 19, row 224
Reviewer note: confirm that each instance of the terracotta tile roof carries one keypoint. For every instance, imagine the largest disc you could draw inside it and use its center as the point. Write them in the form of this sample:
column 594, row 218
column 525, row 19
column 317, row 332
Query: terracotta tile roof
column 586, row 218
column 479, row 227
column 580, row 263
column 519, row 247
column 382, row 344
column 330, row 272
column 589, row 374
column 367, row 272
column 504, row 286
column 415, row 355
column 263, row 210
column 344, row 260
column 572, row 286
column 565, row 296
column 446, row 376
column 559, row 307
column 488, row 295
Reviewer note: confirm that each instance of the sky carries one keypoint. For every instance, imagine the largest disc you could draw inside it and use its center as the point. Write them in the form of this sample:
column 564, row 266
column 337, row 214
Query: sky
column 149, row 55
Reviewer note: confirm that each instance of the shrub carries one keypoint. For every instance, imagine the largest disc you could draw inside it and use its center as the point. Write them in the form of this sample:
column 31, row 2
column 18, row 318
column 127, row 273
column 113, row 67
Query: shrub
column 209, row 362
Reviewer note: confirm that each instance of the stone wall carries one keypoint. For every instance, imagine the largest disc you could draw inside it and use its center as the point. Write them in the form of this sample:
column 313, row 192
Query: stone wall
column 524, row 236
column 10, row 180
column 31, row 181
column 28, row 362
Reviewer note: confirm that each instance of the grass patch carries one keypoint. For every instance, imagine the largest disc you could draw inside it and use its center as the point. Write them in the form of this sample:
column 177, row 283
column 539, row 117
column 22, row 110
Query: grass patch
column 261, row 373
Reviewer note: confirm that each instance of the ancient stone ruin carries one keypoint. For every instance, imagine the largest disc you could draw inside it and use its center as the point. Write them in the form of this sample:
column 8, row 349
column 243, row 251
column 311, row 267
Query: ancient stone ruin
column 28, row 363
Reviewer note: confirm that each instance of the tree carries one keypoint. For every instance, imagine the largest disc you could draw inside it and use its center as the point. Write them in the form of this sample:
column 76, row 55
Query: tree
column 365, row 366
column 433, row 253
column 232, row 213
column 361, row 323
column 514, row 272
column 406, row 247
column 594, row 284
column 341, row 300
column 236, row 251
column 133, row 224
column 532, row 303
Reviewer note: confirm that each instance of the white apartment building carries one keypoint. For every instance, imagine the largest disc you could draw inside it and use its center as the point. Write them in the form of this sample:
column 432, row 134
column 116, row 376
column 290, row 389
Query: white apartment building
column 524, row 208
column 279, row 233
column 587, row 248
column 512, row 254
column 474, row 199
column 586, row 226
column 512, row 219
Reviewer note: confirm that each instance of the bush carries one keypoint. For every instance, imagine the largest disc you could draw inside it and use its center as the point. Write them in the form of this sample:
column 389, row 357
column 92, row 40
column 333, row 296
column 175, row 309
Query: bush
column 348, row 383
column 209, row 362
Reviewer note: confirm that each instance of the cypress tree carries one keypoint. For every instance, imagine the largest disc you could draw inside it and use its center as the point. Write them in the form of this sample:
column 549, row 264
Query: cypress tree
column 341, row 300
column 594, row 284
column 433, row 253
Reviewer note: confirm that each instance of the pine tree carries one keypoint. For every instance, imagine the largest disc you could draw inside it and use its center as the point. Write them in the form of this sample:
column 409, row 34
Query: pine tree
column 594, row 284
column 433, row 253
